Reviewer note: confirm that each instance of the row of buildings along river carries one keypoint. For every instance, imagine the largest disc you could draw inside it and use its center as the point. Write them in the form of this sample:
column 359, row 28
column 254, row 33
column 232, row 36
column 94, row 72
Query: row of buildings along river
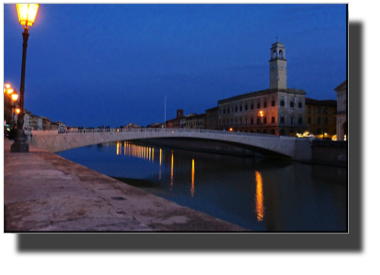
column 278, row 110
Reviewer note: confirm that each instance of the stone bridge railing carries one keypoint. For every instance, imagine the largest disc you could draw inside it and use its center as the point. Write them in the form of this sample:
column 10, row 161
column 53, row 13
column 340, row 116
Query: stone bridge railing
column 168, row 130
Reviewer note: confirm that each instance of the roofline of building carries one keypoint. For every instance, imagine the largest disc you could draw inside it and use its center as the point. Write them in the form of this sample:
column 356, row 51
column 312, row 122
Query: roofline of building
column 312, row 101
column 267, row 91
column 215, row 108
column 341, row 86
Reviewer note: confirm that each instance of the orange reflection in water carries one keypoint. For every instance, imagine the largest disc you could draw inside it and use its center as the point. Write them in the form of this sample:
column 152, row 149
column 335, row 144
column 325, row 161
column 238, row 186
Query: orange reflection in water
column 192, row 190
column 118, row 148
column 259, row 197
column 160, row 163
column 136, row 151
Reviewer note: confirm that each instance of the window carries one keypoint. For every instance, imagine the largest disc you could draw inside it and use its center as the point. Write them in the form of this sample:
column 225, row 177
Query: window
column 265, row 104
column 280, row 54
column 309, row 110
column 273, row 120
column 282, row 119
column 273, row 103
column 291, row 120
column 246, row 121
column 326, row 121
column 291, row 104
column 309, row 120
column 325, row 110
column 258, row 105
column 228, row 110
column 240, row 122
column 299, row 104
column 319, row 110
column 251, row 106
column 235, row 109
column 251, row 120
column 224, row 111
column 265, row 120
column 300, row 120
column 282, row 103
column 246, row 107
column 241, row 108
column 319, row 120
column 220, row 111
column 258, row 120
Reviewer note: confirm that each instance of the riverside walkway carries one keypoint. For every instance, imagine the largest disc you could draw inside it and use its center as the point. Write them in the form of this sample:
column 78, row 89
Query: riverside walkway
column 45, row 192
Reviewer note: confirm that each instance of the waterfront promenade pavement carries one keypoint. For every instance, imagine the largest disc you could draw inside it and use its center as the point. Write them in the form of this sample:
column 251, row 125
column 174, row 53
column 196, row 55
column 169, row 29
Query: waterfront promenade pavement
column 45, row 192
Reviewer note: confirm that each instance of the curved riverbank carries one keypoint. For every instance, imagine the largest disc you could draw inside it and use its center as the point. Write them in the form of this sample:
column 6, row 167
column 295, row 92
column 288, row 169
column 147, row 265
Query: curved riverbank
column 45, row 192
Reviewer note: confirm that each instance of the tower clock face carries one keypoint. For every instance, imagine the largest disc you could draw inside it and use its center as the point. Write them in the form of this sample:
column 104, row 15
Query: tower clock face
column 282, row 67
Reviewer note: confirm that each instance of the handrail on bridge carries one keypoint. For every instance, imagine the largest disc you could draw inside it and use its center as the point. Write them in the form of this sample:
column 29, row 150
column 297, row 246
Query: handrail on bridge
column 166, row 130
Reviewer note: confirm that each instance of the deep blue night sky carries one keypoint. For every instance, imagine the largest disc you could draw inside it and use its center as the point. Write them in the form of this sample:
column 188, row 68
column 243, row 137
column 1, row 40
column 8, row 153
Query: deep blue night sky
column 92, row 65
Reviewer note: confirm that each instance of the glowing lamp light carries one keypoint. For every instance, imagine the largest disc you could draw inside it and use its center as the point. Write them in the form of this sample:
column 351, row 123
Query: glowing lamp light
column 17, row 110
column 261, row 113
column 14, row 96
column 10, row 91
column 230, row 129
column 7, row 86
column 27, row 14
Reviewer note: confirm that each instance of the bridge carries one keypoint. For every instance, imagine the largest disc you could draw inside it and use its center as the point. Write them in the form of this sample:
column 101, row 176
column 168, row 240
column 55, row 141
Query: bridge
column 289, row 147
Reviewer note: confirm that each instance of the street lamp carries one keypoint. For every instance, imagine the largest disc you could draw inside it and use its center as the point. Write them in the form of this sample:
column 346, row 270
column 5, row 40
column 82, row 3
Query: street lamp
column 26, row 15
column 14, row 97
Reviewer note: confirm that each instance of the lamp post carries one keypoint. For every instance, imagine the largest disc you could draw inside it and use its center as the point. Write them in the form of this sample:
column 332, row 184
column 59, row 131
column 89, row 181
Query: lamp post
column 26, row 15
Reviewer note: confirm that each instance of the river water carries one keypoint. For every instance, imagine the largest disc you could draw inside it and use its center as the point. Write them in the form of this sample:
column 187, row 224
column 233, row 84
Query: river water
column 255, row 193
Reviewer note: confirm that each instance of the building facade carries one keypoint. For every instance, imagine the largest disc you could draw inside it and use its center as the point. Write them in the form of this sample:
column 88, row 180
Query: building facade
column 277, row 110
column 194, row 121
column 341, row 114
column 320, row 117
column 211, row 118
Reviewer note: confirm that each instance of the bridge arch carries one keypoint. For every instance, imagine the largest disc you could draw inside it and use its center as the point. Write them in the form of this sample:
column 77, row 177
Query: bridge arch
column 266, row 144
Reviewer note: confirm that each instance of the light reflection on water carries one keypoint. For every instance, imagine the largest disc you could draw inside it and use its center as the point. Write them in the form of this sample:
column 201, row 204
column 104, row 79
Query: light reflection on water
column 261, row 195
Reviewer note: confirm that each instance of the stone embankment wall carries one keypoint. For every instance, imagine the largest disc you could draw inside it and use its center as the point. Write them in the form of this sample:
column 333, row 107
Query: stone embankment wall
column 329, row 152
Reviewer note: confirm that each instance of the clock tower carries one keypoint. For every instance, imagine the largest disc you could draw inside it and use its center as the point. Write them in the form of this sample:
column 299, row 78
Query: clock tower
column 277, row 67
